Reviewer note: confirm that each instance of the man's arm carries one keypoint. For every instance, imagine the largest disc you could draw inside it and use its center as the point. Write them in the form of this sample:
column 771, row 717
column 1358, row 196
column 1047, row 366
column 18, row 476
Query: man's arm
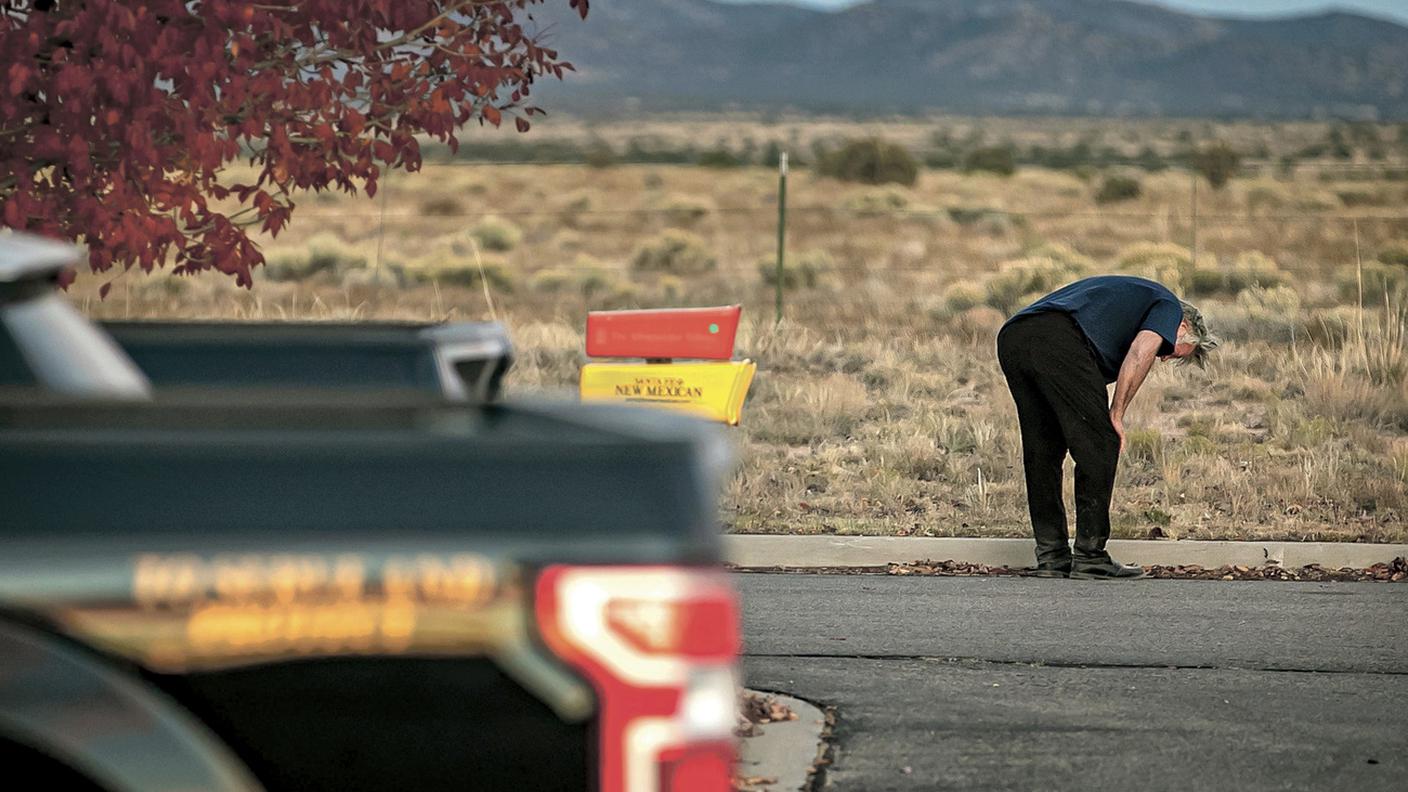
column 1133, row 370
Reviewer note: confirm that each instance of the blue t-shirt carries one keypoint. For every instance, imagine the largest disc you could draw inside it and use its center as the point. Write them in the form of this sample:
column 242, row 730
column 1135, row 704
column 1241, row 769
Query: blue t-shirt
column 1111, row 310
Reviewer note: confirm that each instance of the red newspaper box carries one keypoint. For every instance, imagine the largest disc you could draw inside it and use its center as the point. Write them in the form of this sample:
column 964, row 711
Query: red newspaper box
column 664, row 334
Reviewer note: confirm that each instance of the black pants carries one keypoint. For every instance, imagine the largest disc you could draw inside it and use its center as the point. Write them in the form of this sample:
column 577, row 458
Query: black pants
column 1062, row 407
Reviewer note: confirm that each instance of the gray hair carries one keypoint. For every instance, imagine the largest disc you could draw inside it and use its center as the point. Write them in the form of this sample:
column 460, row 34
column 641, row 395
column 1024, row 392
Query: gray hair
column 1197, row 334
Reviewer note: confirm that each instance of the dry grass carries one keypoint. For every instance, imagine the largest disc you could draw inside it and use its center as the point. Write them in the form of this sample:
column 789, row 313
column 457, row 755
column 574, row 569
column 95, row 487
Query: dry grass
column 878, row 406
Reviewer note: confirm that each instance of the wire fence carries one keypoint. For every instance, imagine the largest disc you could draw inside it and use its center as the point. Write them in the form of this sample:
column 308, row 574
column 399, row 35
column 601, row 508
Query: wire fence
column 961, row 235
column 865, row 214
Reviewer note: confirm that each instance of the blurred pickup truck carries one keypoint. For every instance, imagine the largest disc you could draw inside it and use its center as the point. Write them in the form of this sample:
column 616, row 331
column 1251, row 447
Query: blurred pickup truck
column 337, row 587
column 463, row 361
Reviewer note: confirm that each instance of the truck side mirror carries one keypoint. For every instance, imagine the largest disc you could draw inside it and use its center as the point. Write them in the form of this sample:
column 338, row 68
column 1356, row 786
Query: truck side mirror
column 64, row 351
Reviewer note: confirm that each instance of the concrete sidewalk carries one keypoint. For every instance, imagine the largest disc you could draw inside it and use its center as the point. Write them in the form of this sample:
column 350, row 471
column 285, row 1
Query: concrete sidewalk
column 802, row 552
column 784, row 753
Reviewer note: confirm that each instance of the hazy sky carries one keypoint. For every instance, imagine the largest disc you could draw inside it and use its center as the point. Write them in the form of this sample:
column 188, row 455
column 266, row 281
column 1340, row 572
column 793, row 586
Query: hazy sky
column 1390, row 9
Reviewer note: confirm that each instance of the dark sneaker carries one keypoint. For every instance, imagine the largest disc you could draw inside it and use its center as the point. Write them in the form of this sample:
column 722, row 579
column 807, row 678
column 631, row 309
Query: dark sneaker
column 1105, row 569
column 1053, row 570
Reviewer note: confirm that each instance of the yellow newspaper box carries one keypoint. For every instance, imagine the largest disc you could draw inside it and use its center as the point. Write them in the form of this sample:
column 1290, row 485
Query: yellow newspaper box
column 711, row 387
column 709, row 390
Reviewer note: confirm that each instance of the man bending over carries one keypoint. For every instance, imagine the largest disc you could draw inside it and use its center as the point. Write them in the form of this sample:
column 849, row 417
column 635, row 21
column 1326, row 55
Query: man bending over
column 1058, row 354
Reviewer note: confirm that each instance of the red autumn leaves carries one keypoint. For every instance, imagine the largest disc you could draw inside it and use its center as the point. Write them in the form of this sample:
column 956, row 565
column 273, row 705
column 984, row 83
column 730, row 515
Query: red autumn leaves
column 117, row 118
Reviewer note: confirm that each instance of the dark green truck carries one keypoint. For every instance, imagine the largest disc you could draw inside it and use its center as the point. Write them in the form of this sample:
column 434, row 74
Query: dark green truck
column 343, row 582
column 457, row 362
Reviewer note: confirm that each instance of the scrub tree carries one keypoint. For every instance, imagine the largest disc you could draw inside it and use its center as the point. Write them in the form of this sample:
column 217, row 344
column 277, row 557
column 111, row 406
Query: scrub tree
column 119, row 117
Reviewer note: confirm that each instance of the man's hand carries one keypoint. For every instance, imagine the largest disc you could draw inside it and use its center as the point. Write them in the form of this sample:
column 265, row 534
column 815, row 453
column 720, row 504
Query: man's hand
column 1117, row 421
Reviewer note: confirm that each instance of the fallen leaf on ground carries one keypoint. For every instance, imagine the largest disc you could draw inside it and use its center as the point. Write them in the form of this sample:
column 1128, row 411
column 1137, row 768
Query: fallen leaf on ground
column 1390, row 572
column 950, row 568
column 755, row 709
column 763, row 708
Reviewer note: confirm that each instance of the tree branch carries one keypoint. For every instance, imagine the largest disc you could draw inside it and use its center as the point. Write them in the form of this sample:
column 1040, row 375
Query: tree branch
column 406, row 37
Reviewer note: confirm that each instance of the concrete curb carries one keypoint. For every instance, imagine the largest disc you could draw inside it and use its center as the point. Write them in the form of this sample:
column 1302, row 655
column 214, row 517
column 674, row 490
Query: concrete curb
column 803, row 552
column 785, row 750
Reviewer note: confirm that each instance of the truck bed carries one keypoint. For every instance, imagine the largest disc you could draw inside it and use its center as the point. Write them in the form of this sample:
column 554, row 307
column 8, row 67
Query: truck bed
column 123, row 524
column 462, row 361
column 224, row 470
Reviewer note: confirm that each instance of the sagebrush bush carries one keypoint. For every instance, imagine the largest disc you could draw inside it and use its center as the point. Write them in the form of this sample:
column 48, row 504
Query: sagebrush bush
column 582, row 278
column 1331, row 327
column 568, row 241
column 574, row 206
column 1317, row 201
column 1063, row 254
column 872, row 203
column 1205, row 282
column 594, row 279
column 972, row 215
column 328, row 253
column 454, row 259
column 997, row 224
column 1217, row 163
column 1394, row 253
column 1142, row 254
column 670, row 290
column 553, row 280
column 979, row 323
column 805, row 271
column 1351, row 198
column 442, row 206
column 676, row 252
column 1116, row 188
column 686, row 210
column 1253, row 268
column 599, row 154
column 497, row 234
column 1018, row 281
column 1250, row 269
column 1165, row 262
column 462, row 271
column 1259, row 314
column 389, row 276
column 1001, row 160
column 870, row 161
column 961, row 296
column 720, row 157
column 1262, row 315
column 622, row 294
column 324, row 252
column 1265, row 196
column 1380, row 281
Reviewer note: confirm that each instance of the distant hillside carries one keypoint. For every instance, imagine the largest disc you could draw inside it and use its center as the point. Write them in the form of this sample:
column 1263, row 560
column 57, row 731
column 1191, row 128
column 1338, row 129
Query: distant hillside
column 1087, row 57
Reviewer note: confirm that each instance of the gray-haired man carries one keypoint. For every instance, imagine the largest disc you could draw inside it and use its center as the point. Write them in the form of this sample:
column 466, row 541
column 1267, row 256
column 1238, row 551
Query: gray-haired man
column 1058, row 354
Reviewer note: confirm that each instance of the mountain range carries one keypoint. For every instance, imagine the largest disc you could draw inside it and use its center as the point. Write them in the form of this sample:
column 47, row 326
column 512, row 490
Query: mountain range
column 1005, row 57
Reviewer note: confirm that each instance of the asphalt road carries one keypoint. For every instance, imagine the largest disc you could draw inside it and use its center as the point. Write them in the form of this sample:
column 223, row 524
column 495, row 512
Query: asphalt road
column 1003, row 683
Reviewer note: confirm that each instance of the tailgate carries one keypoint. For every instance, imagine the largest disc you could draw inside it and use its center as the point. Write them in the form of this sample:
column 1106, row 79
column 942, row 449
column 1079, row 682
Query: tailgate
column 343, row 593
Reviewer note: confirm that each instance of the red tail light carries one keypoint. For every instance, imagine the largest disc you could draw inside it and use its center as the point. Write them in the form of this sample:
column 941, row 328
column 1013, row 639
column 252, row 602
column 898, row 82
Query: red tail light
column 697, row 768
column 660, row 647
column 698, row 629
